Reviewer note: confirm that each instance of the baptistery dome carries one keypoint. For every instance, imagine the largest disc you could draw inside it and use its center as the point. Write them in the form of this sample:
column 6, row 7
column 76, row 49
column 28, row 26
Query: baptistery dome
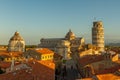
column 16, row 43
column 16, row 36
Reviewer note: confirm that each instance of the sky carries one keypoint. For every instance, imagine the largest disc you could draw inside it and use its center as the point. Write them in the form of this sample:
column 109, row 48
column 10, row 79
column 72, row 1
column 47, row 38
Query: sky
column 36, row 19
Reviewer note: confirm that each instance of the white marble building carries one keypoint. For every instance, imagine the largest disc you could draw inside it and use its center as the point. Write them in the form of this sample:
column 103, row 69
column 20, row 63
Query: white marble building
column 16, row 43
column 98, row 35
column 62, row 46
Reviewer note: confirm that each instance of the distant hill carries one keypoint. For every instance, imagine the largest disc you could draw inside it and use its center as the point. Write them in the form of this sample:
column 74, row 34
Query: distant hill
column 113, row 44
column 27, row 46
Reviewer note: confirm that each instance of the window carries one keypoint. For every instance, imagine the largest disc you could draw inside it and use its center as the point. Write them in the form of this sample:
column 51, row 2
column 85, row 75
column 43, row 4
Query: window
column 50, row 56
column 43, row 57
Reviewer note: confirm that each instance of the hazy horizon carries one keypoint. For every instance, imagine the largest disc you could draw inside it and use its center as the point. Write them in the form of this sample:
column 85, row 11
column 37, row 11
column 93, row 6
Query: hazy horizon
column 36, row 19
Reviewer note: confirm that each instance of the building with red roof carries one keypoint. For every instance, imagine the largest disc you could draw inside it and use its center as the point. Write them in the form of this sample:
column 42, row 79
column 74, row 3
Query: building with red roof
column 38, row 70
column 39, row 54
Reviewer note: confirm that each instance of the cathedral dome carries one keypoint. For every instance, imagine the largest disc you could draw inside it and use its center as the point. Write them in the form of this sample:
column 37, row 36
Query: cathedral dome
column 16, row 36
column 70, row 35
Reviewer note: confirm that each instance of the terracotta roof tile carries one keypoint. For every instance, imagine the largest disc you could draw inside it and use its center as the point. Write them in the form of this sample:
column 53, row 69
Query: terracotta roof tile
column 90, row 59
column 44, row 50
column 10, row 54
column 7, row 64
column 40, row 70
column 108, row 77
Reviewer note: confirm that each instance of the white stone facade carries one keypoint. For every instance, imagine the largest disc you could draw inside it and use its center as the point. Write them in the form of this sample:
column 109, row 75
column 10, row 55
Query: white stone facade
column 98, row 35
column 16, row 43
column 62, row 46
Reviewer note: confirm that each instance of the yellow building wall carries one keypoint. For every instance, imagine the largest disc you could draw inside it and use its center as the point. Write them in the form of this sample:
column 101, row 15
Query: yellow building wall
column 13, row 58
column 47, row 57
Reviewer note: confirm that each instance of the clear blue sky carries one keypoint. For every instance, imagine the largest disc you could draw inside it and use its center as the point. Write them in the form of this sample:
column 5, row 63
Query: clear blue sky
column 36, row 19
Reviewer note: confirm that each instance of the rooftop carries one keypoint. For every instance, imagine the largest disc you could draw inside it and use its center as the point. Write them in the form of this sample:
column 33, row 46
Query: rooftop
column 108, row 77
column 43, row 50
column 90, row 59
column 10, row 54
column 39, row 70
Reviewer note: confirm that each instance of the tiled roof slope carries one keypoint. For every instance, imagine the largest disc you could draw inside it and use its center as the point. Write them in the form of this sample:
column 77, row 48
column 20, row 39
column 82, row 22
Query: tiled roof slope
column 40, row 70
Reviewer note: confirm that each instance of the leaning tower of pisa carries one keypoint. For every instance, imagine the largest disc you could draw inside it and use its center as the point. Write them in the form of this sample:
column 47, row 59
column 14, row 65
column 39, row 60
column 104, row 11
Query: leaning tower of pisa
column 98, row 35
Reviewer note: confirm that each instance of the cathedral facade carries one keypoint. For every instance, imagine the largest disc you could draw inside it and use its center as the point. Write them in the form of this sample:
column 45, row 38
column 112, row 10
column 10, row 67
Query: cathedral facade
column 16, row 43
column 62, row 46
